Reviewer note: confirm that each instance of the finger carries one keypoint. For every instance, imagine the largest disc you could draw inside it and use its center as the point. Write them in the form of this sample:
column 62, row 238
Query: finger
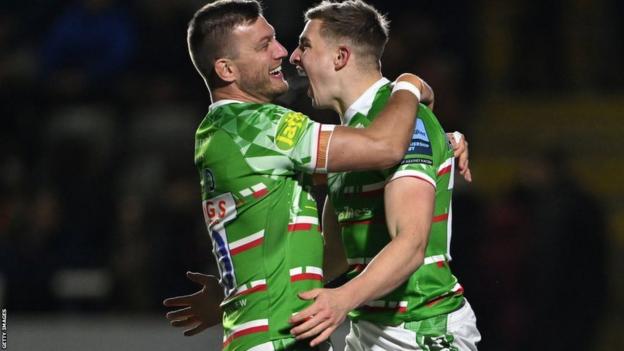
column 304, row 315
column 310, row 294
column 177, row 301
column 459, row 150
column 307, row 325
column 199, row 278
column 315, row 330
column 463, row 162
column 196, row 330
column 468, row 176
column 188, row 322
column 324, row 336
column 181, row 313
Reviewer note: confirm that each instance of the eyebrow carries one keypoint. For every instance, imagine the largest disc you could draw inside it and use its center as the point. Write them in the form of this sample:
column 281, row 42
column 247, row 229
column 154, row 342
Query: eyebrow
column 304, row 40
column 266, row 38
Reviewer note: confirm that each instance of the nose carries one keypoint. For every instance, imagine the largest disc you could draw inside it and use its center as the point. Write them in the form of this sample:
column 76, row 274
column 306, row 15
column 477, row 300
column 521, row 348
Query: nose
column 281, row 51
column 295, row 57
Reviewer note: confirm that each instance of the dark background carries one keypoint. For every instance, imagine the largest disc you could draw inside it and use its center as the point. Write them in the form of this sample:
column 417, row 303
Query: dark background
column 99, row 199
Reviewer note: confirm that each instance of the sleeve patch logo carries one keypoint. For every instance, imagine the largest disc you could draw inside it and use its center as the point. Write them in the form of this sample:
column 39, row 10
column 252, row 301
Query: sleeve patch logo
column 420, row 141
column 208, row 181
column 289, row 130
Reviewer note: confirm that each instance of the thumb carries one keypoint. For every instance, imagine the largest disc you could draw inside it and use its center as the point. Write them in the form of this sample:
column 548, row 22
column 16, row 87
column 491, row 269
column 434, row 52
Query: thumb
column 310, row 294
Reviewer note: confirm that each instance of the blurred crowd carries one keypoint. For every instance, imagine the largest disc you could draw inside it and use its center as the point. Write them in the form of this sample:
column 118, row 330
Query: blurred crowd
column 99, row 199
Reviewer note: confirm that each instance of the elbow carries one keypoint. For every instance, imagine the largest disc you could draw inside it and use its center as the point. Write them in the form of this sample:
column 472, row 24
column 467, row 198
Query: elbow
column 419, row 256
column 391, row 153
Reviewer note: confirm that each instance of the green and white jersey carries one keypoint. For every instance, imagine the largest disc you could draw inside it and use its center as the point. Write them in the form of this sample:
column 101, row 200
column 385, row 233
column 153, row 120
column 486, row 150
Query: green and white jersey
column 359, row 202
column 260, row 216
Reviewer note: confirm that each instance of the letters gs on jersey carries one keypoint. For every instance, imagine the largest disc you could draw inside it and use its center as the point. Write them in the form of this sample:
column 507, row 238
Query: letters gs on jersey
column 219, row 210
column 289, row 130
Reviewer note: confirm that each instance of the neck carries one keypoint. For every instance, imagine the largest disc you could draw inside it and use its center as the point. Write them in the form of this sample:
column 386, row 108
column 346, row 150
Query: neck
column 232, row 92
column 352, row 88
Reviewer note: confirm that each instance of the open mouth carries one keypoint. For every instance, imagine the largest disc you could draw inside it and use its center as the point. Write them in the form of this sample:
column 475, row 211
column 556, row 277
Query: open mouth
column 301, row 72
column 276, row 72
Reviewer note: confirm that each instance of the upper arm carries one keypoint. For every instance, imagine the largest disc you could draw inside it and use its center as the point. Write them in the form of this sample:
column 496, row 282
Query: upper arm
column 409, row 204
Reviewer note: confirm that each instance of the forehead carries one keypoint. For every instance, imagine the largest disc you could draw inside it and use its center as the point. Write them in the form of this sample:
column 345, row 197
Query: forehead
column 253, row 32
column 312, row 30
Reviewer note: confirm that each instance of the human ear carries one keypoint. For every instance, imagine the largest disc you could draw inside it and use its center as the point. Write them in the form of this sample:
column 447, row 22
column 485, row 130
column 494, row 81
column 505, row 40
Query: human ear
column 226, row 70
column 343, row 53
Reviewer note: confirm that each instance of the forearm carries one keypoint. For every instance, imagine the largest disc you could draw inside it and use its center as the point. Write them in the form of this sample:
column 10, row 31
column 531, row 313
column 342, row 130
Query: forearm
column 380, row 145
column 387, row 271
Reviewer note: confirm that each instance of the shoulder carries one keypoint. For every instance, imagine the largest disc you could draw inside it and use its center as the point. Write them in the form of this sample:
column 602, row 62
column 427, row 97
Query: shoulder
column 429, row 127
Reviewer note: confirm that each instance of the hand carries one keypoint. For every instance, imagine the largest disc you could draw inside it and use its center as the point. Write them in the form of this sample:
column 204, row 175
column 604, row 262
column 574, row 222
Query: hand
column 426, row 93
column 200, row 310
column 460, row 150
column 328, row 311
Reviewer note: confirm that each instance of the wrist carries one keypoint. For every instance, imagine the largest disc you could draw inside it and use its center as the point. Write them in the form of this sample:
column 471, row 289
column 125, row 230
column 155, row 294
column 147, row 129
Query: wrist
column 409, row 86
column 353, row 295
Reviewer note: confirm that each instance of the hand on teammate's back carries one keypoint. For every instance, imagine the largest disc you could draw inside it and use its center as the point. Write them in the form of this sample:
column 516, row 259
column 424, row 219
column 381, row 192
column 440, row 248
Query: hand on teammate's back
column 460, row 150
column 321, row 319
column 200, row 310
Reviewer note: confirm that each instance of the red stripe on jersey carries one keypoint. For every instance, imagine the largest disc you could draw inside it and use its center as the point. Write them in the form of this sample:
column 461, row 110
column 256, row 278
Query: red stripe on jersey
column 440, row 218
column 260, row 193
column 445, row 170
column 299, row 226
column 440, row 264
column 247, row 246
column 432, row 302
column 257, row 288
column 306, row 276
column 384, row 309
column 318, row 149
column 238, row 334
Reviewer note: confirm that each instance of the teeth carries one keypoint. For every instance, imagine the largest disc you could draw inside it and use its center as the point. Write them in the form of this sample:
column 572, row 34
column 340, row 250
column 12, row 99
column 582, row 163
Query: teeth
column 276, row 71
column 301, row 72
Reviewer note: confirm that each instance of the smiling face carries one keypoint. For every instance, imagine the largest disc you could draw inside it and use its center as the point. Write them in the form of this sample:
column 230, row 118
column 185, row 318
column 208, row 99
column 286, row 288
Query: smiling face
column 314, row 57
column 258, row 59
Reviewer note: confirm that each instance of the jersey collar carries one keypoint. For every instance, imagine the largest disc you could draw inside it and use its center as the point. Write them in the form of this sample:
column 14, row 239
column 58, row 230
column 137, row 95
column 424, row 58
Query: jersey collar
column 220, row 103
column 364, row 102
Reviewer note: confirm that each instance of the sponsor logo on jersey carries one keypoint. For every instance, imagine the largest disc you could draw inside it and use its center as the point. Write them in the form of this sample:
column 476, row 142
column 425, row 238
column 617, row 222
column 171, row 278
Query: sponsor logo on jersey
column 420, row 141
column 289, row 130
column 350, row 214
column 208, row 180
column 438, row 343
column 417, row 160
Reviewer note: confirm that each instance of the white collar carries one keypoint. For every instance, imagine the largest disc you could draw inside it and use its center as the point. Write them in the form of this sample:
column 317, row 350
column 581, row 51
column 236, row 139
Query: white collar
column 220, row 103
column 365, row 101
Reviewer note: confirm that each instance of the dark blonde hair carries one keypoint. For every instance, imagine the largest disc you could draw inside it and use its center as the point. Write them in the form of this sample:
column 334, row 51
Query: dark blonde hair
column 356, row 21
column 210, row 28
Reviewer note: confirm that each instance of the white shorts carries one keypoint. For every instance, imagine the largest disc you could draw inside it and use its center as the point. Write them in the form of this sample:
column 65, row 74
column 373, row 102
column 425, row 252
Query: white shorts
column 456, row 331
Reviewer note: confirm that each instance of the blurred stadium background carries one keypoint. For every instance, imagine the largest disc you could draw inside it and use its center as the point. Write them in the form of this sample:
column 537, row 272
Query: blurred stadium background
column 99, row 200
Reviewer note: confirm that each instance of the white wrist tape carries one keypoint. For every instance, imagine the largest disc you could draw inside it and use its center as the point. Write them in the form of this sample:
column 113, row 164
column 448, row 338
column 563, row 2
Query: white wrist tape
column 457, row 136
column 403, row 85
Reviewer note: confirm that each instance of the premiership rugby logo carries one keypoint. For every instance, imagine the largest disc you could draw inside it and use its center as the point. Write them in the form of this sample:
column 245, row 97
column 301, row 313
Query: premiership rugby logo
column 289, row 130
